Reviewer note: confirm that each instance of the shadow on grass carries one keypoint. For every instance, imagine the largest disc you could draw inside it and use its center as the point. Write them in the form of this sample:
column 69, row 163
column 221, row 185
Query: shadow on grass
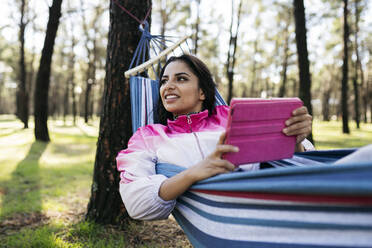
column 22, row 191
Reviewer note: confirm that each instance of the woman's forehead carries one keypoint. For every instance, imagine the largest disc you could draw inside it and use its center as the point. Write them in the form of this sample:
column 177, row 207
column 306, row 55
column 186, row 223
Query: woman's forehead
column 176, row 67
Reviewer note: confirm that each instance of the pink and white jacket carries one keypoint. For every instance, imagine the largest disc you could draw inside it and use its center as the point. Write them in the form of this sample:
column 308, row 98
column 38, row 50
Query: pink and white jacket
column 183, row 142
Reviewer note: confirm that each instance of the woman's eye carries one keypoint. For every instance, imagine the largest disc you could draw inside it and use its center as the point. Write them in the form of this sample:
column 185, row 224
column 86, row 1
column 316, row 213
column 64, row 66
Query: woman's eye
column 163, row 81
column 182, row 79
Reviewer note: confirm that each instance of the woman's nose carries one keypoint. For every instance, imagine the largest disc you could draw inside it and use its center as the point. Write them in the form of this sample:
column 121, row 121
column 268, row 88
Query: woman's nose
column 169, row 84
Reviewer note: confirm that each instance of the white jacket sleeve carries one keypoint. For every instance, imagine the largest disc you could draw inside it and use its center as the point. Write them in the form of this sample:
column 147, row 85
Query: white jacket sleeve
column 139, row 186
column 308, row 145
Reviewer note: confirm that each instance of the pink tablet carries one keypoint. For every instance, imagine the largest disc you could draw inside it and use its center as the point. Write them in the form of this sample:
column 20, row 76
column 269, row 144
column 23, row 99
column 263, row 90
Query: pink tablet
column 255, row 125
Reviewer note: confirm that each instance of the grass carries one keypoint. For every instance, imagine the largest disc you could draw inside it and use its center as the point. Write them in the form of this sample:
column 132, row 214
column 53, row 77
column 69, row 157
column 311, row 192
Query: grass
column 328, row 135
column 45, row 187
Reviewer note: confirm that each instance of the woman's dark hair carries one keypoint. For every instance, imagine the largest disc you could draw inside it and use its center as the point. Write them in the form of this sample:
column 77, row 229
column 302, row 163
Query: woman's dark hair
column 205, row 80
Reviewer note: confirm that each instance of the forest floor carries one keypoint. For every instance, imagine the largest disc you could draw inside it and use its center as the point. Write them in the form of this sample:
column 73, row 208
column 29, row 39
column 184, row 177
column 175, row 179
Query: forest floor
column 45, row 188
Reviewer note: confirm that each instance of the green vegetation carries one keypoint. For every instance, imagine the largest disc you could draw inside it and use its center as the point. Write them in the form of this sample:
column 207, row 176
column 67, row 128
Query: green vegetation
column 44, row 188
column 328, row 135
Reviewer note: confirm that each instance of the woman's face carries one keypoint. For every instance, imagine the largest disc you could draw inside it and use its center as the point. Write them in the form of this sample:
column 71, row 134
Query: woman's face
column 179, row 90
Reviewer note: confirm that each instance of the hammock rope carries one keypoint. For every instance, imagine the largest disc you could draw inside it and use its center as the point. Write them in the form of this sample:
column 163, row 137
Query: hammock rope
column 131, row 15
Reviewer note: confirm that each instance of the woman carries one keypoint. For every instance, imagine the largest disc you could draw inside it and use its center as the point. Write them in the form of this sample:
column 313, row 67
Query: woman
column 190, row 135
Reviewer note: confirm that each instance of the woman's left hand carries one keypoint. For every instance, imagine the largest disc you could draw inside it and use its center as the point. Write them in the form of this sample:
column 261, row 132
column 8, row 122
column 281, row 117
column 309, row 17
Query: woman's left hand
column 300, row 125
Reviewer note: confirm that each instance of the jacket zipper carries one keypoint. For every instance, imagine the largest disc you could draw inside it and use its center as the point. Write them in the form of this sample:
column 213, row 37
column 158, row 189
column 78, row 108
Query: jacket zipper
column 196, row 137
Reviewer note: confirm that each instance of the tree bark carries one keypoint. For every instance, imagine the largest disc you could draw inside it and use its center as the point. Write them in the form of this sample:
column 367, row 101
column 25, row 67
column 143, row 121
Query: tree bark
column 358, row 64
column 325, row 104
column 356, row 99
column 92, row 57
column 282, row 90
column 303, row 60
column 254, row 68
column 43, row 75
column 345, row 70
column 105, row 205
column 197, row 27
column 22, row 96
column 71, row 80
column 231, row 58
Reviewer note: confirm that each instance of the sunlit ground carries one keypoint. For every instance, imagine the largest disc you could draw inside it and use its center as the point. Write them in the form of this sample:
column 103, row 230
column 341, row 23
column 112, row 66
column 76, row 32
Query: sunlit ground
column 328, row 135
column 45, row 189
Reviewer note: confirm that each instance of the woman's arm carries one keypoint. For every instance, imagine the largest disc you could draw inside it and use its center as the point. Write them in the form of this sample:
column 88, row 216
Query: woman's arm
column 300, row 125
column 212, row 165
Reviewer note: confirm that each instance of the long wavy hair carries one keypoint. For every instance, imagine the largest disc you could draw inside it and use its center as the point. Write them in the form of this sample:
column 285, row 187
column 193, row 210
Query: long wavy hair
column 205, row 81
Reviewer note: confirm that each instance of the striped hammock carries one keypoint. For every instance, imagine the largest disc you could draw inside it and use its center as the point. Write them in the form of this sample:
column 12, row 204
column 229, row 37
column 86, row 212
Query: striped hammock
column 300, row 202
column 308, row 202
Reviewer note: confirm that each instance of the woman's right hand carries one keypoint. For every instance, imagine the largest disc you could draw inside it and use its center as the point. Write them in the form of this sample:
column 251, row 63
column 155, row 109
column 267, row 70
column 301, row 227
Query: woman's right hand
column 213, row 164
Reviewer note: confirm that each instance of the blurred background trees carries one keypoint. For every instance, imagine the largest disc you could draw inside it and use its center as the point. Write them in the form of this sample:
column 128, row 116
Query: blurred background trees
column 318, row 50
column 258, row 59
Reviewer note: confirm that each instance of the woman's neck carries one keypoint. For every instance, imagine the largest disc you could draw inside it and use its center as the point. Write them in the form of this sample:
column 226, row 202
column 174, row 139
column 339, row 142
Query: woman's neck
column 175, row 116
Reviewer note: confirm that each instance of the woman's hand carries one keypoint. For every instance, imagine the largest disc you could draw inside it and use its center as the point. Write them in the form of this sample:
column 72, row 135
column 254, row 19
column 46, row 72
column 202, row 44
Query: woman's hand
column 300, row 125
column 213, row 164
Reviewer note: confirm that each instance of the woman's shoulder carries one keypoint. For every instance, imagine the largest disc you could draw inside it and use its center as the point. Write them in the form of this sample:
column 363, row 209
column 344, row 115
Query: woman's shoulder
column 221, row 110
column 151, row 130
column 219, row 116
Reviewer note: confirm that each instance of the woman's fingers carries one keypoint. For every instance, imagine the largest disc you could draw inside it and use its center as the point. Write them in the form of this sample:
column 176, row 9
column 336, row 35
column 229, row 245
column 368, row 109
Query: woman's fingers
column 298, row 118
column 303, row 127
column 221, row 149
column 224, row 165
column 300, row 138
column 300, row 124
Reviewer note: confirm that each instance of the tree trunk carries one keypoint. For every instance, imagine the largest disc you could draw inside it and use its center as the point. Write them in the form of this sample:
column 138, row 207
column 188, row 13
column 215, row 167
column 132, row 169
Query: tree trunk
column 282, row 90
column 105, row 205
column 344, row 105
column 358, row 64
column 197, row 24
column 72, row 78
column 22, row 106
column 88, row 77
column 369, row 92
column 325, row 104
column 356, row 99
column 231, row 58
column 254, row 68
column 43, row 75
column 66, row 101
column 303, row 60
column 87, row 99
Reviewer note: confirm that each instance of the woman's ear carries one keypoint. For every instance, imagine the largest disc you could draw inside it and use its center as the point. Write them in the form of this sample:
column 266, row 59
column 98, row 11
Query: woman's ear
column 201, row 95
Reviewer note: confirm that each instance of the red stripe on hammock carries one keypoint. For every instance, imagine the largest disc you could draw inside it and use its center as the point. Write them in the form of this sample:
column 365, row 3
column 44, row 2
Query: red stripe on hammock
column 354, row 200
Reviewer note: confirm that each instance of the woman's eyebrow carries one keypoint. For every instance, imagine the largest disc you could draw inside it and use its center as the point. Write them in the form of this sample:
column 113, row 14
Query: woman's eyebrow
column 181, row 73
column 177, row 74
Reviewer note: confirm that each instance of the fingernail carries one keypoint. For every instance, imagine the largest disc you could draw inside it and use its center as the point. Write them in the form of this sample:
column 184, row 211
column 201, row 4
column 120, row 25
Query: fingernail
column 285, row 130
column 236, row 149
column 287, row 123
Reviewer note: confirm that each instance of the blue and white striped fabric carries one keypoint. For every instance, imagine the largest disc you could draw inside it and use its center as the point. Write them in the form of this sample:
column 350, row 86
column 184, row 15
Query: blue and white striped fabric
column 314, row 205
column 144, row 96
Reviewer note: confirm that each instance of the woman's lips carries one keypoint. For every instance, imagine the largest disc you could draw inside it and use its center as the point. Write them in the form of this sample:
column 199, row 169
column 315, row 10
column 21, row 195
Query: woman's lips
column 171, row 98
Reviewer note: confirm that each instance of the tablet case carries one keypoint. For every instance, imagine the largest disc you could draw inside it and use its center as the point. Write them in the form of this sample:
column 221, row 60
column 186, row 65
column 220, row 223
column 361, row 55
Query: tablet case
column 255, row 125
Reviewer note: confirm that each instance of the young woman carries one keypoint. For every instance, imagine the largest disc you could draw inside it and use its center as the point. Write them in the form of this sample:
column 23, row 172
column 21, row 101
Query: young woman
column 190, row 135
